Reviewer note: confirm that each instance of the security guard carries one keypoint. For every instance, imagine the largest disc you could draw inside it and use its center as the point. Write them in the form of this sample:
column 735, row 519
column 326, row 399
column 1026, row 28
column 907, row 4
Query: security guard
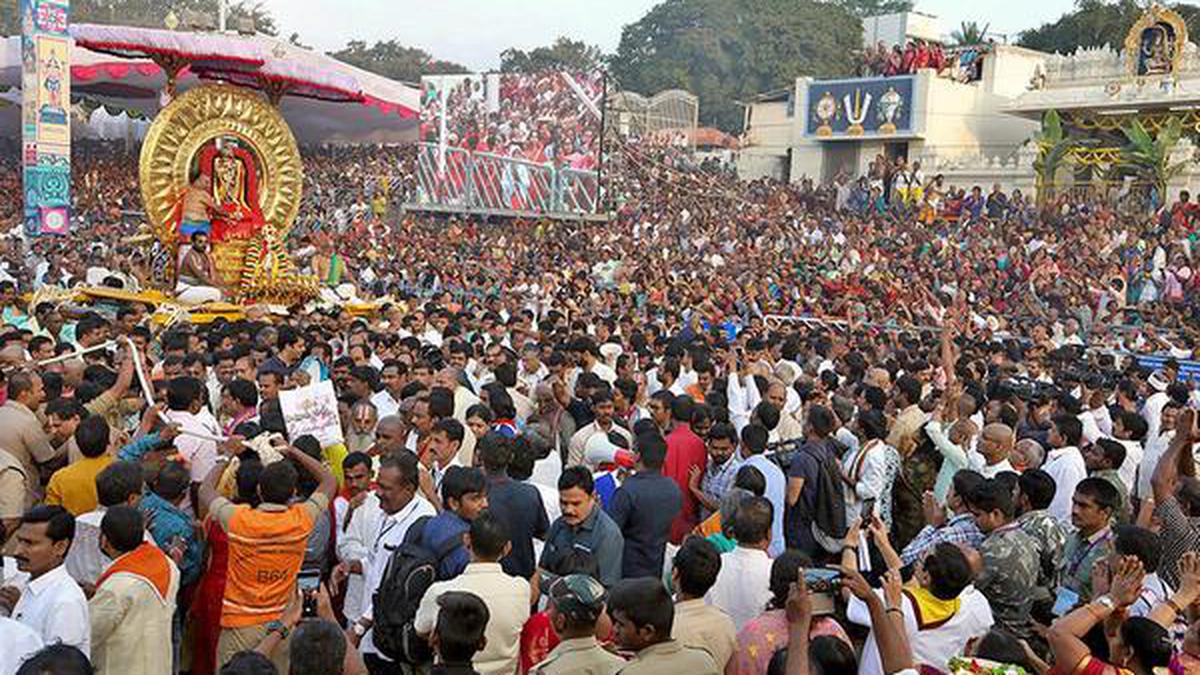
column 576, row 603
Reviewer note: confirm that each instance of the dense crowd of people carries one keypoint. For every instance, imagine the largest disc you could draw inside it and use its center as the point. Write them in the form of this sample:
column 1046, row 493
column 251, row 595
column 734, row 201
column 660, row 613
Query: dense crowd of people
column 742, row 427
column 541, row 117
column 963, row 64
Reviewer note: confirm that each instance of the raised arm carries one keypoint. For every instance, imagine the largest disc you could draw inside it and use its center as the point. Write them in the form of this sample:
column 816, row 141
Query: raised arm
column 799, row 618
column 328, row 486
column 1166, row 474
column 948, row 358
column 207, row 492
column 1166, row 613
column 1066, row 634
column 887, row 618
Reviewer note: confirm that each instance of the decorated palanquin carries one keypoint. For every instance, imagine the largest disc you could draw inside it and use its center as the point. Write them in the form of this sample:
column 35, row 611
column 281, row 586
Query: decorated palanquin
column 221, row 158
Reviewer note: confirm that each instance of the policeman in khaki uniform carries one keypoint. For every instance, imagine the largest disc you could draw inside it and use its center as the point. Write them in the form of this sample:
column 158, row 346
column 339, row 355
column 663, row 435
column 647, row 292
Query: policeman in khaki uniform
column 576, row 603
column 643, row 616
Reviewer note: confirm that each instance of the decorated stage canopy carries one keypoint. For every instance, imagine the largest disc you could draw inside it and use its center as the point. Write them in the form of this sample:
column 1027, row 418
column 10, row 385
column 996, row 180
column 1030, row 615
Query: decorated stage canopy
column 322, row 99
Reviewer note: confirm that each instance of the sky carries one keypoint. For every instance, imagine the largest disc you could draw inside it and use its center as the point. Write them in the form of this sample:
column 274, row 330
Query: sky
column 474, row 32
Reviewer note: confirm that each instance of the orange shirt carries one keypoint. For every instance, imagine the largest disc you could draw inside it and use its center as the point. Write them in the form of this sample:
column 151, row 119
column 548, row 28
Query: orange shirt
column 266, row 549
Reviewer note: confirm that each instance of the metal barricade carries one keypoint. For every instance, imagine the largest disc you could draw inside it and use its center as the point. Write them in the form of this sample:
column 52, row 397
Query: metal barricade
column 439, row 182
column 580, row 190
column 481, row 180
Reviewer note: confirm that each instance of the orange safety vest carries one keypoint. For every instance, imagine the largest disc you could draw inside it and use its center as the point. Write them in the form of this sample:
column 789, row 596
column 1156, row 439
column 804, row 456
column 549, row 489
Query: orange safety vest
column 266, row 549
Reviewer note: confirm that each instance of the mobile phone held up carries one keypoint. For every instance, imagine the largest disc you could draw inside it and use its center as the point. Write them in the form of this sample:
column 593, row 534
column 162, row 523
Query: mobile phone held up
column 823, row 585
column 309, row 582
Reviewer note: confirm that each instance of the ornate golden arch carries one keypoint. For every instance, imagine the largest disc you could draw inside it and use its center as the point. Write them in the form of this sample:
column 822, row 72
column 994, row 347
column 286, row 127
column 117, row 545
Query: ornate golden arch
column 253, row 269
column 198, row 117
column 1155, row 15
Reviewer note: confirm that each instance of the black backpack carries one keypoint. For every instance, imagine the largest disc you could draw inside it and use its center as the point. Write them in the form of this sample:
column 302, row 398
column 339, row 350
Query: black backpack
column 410, row 572
column 829, row 512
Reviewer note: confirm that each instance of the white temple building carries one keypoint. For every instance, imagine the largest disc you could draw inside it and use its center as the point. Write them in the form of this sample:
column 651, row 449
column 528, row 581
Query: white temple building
column 977, row 120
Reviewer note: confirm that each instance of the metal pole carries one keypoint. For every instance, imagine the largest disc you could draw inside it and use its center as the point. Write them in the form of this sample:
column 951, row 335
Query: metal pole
column 222, row 12
column 442, row 129
column 603, row 129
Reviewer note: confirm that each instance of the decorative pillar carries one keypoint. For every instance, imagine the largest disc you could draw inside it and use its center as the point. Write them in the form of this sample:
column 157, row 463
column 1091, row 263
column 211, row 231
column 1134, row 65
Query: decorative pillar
column 46, row 115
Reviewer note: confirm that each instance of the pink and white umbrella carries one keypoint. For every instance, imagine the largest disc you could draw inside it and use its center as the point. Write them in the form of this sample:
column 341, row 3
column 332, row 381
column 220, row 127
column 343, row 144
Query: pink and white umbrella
column 258, row 61
column 323, row 99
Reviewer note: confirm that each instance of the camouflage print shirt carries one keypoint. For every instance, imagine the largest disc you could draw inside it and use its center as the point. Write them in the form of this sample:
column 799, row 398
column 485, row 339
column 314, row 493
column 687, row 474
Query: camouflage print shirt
column 1010, row 572
column 1051, row 540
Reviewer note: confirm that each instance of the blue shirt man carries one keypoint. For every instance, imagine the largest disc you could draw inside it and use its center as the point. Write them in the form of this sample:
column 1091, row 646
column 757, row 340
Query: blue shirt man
column 464, row 496
column 754, row 444
column 172, row 530
column 584, row 529
column 519, row 506
column 643, row 507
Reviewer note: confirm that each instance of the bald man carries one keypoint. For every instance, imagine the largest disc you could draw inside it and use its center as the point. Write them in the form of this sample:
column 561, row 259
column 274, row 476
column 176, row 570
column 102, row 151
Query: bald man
column 390, row 434
column 995, row 448
column 1027, row 454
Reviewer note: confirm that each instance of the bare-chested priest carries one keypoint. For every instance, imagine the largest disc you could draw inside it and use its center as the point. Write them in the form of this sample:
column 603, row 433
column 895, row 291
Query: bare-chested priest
column 197, row 280
column 198, row 204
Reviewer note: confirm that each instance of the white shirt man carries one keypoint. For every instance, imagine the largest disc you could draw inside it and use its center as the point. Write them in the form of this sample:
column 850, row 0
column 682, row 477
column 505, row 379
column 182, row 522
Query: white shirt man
column 524, row 405
column 17, row 643
column 54, row 606
column 354, row 543
column 576, row 448
column 1103, row 419
column 1156, row 447
column 528, row 380
column 200, row 454
column 390, row 534
column 743, row 585
column 1066, row 467
column 978, row 463
column 1091, row 430
column 1152, row 408
column 1129, row 468
column 934, row 646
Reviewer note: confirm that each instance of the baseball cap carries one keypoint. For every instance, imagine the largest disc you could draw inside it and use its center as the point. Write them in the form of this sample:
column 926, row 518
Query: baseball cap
column 578, row 597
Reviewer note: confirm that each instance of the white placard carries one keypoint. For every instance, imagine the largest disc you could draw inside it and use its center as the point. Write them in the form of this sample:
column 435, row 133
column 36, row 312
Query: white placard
column 312, row 410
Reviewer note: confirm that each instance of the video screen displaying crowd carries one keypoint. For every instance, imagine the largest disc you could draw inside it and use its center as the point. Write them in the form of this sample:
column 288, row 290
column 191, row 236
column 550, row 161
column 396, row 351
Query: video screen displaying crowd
column 592, row 448
column 539, row 117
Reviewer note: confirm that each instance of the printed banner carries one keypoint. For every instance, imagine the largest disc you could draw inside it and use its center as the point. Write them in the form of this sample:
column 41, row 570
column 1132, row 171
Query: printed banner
column 312, row 410
column 874, row 106
column 46, row 115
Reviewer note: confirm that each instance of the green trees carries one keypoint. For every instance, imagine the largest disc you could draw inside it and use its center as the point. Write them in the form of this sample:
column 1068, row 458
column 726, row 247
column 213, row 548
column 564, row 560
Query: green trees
column 728, row 50
column 864, row 8
column 1096, row 23
column 1054, row 147
column 391, row 59
column 970, row 33
column 1148, row 158
column 563, row 54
